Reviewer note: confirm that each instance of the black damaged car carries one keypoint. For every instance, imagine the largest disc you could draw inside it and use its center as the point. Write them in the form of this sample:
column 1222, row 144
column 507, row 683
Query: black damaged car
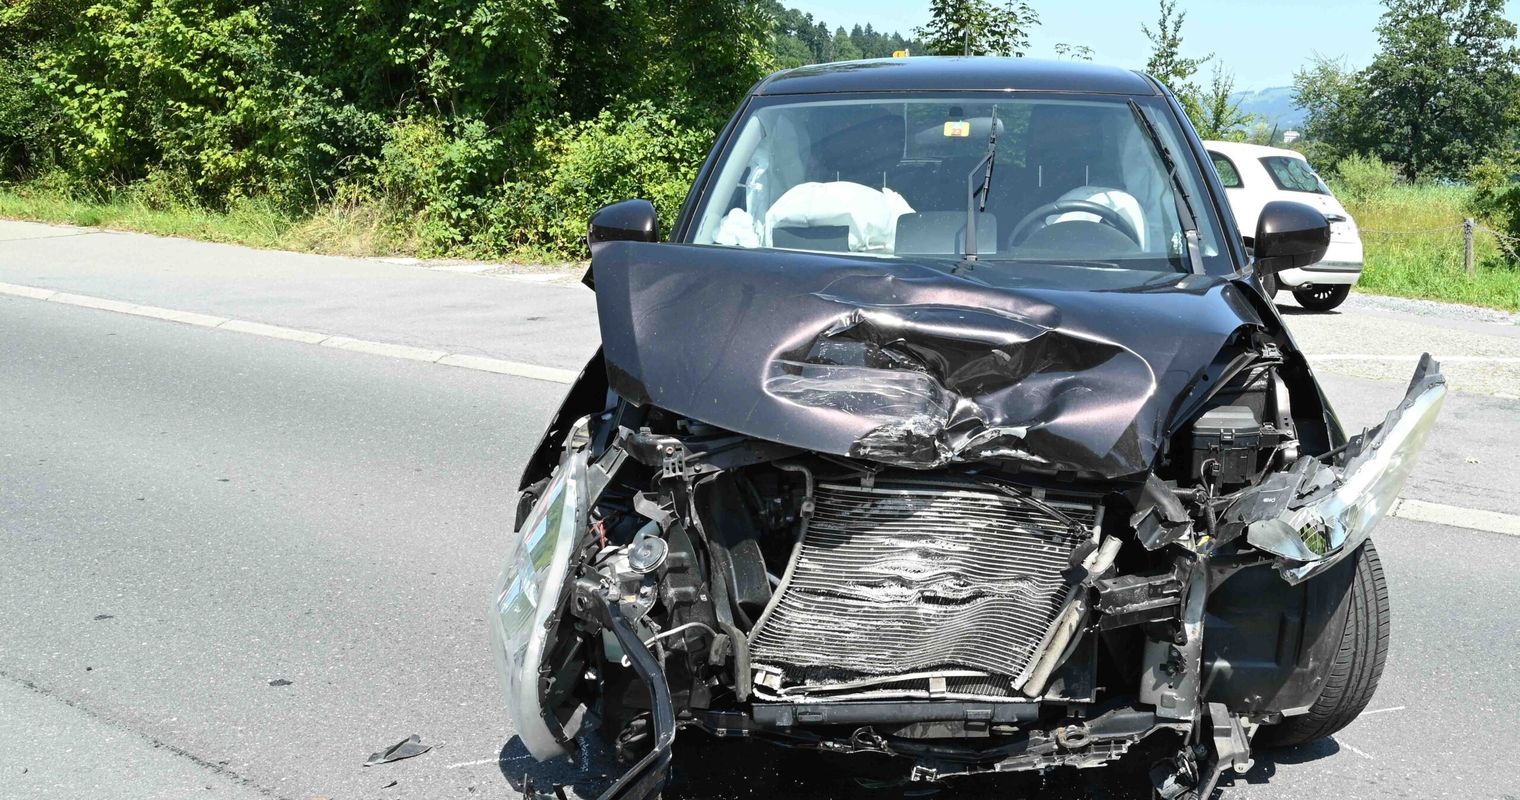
column 951, row 424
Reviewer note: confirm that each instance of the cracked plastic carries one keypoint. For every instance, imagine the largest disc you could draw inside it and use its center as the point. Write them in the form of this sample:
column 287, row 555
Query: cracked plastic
column 915, row 363
column 1338, row 508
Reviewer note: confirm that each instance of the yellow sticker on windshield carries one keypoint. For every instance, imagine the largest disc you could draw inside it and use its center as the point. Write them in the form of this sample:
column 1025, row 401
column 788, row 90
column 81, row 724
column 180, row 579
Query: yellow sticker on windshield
column 957, row 129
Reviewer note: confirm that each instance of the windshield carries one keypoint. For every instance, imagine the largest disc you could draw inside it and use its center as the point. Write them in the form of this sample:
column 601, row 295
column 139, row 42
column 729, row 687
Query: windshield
column 1074, row 180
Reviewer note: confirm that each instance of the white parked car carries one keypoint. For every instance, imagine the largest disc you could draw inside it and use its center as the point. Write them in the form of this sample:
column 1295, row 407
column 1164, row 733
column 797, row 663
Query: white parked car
column 1253, row 176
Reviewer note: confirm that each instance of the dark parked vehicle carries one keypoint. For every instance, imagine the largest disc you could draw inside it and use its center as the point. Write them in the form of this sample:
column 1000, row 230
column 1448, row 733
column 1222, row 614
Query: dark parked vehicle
column 951, row 424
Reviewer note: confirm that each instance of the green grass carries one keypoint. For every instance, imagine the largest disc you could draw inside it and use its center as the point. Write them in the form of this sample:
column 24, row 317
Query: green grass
column 1412, row 235
column 337, row 228
column 250, row 224
column 1413, row 241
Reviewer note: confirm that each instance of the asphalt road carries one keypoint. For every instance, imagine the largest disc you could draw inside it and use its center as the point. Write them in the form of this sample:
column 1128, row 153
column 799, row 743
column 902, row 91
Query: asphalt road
column 234, row 567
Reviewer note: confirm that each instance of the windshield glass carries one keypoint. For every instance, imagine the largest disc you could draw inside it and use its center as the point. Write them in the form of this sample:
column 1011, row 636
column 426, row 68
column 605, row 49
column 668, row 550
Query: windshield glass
column 1075, row 180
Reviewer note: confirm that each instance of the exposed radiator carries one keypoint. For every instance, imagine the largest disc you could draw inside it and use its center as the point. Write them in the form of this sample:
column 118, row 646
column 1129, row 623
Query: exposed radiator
column 914, row 589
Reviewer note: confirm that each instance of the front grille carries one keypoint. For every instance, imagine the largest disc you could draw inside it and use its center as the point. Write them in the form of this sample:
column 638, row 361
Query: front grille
column 918, row 588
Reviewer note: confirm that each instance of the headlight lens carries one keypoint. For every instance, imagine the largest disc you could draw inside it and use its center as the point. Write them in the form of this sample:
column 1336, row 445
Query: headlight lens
column 527, row 594
column 1343, row 519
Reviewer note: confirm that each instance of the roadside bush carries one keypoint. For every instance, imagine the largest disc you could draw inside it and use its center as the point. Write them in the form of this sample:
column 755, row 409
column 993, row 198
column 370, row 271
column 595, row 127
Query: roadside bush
column 440, row 175
column 1361, row 177
column 1496, row 193
column 634, row 150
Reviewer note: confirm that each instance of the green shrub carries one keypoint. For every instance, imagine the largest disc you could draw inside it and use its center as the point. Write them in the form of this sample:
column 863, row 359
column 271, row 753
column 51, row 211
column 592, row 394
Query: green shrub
column 1361, row 177
column 440, row 175
column 1496, row 193
column 636, row 150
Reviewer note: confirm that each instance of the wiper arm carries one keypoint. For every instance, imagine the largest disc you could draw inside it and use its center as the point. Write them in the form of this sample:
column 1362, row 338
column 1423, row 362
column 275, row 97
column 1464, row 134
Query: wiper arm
column 1185, row 213
column 976, row 195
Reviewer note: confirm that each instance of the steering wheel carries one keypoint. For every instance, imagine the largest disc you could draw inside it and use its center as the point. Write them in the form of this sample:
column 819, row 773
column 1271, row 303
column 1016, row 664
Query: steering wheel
column 1102, row 212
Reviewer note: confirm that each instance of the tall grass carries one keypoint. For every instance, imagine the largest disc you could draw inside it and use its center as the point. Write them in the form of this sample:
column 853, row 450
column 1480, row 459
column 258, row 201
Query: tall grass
column 1413, row 241
column 346, row 226
column 1412, row 234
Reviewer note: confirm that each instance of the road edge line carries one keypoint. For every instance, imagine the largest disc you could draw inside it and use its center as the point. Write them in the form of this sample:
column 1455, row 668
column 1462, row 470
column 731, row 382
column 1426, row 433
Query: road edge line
column 1476, row 519
column 495, row 366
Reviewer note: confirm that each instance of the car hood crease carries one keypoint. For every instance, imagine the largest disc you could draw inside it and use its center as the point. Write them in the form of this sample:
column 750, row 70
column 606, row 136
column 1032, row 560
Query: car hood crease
column 915, row 363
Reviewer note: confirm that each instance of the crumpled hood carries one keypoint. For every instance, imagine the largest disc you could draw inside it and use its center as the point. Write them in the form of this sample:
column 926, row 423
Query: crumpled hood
column 914, row 363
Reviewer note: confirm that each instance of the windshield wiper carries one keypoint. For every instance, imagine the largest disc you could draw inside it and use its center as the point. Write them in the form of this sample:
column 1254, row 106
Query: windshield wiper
column 1185, row 213
column 976, row 194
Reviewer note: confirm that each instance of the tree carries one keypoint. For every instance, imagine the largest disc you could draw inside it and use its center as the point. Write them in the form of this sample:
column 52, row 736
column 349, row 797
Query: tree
column 1221, row 117
column 1076, row 52
column 1440, row 95
column 978, row 27
column 1333, row 97
column 1439, row 91
column 844, row 47
column 1167, row 63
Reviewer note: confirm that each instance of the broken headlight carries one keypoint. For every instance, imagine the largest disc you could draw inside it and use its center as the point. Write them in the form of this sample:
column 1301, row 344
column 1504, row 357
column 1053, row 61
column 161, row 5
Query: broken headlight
column 527, row 596
column 1334, row 523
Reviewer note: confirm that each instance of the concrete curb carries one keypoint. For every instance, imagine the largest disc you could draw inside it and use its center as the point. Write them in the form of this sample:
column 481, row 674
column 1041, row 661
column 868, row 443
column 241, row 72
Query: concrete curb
column 387, row 349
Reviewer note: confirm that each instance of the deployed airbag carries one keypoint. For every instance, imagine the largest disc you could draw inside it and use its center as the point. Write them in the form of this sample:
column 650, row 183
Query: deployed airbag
column 871, row 215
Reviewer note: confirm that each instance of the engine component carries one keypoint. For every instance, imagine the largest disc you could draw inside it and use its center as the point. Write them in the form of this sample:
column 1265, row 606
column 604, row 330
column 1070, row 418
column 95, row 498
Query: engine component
column 919, row 590
column 1227, row 441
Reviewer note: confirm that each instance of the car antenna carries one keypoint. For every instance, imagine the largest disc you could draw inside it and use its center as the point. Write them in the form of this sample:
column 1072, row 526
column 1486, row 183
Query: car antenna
column 976, row 192
column 1185, row 213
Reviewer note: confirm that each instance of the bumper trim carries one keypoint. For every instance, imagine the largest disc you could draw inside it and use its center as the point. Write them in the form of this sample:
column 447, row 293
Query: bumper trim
column 646, row 778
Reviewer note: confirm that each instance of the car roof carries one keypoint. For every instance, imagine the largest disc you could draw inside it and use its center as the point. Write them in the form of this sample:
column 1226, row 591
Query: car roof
column 941, row 73
column 1243, row 150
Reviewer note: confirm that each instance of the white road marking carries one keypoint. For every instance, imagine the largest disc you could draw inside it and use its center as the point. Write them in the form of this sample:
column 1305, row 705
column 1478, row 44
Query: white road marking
column 1414, row 358
column 473, row 763
column 1353, row 748
column 26, row 291
column 1381, row 711
column 387, row 349
column 383, row 349
column 273, row 331
column 509, row 368
column 1457, row 516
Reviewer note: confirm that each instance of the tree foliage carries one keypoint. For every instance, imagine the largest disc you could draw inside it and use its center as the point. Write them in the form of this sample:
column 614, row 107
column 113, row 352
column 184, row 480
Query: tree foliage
column 978, row 27
column 434, row 109
column 1167, row 64
column 797, row 39
column 1439, row 96
column 1219, row 116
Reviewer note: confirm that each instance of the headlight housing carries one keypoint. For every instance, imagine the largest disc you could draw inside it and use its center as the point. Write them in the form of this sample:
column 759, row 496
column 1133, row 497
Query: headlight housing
column 528, row 594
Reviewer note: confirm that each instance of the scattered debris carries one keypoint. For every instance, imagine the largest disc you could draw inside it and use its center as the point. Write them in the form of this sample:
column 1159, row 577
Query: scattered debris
column 279, row 682
column 403, row 749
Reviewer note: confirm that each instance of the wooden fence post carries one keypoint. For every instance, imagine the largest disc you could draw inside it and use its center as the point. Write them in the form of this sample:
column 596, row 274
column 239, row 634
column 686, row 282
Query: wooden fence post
column 1467, row 247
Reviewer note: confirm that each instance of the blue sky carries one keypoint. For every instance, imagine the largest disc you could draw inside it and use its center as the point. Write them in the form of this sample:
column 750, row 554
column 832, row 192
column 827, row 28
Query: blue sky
column 1261, row 42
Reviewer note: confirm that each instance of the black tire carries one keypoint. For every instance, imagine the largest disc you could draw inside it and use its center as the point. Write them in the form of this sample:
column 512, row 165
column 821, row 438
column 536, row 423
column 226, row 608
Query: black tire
column 1322, row 297
column 1358, row 663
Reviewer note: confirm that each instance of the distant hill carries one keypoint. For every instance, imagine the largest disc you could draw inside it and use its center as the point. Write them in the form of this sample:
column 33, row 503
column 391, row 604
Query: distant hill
column 1274, row 105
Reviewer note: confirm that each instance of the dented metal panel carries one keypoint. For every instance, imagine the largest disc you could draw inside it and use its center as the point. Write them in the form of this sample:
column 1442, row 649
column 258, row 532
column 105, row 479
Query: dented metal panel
column 916, row 363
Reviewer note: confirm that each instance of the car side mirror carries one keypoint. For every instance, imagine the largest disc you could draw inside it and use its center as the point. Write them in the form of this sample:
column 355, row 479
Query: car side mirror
column 1289, row 235
column 628, row 221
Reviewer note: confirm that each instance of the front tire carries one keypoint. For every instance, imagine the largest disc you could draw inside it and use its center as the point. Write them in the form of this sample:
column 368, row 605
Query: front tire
column 1358, row 663
column 1322, row 297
